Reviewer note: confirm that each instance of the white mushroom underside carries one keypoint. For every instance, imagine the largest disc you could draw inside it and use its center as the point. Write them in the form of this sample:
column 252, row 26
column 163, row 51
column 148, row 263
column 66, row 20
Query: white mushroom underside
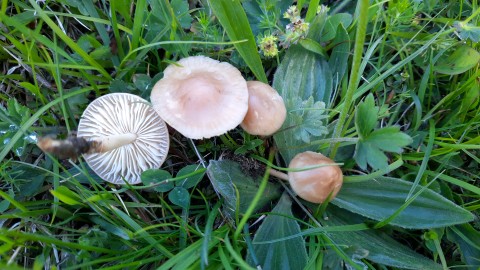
column 201, row 98
column 124, row 114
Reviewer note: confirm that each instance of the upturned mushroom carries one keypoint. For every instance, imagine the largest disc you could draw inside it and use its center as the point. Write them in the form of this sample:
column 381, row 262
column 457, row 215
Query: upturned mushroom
column 119, row 135
column 311, row 182
column 201, row 97
column 132, row 137
column 266, row 110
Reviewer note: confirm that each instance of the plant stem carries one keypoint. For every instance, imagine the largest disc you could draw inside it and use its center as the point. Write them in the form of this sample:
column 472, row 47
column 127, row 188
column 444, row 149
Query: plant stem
column 354, row 75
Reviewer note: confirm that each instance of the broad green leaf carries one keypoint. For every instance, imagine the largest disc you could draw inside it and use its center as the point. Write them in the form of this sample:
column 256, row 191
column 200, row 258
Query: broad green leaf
column 329, row 31
column 232, row 17
column 339, row 57
column 468, row 241
column 179, row 196
column 304, row 80
column 305, row 122
column 379, row 198
column 461, row 60
column 303, row 74
column 159, row 178
column 66, row 195
column 228, row 178
column 366, row 116
column 312, row 46
column 317, row 24
column 287, row 254
column 190, row 181
column 378, row 246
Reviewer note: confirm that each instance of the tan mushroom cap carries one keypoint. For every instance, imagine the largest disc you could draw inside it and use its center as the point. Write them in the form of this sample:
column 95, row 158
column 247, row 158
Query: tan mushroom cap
column 315, row 185
column 135, row 133
column 201, row 97
column 266, row 110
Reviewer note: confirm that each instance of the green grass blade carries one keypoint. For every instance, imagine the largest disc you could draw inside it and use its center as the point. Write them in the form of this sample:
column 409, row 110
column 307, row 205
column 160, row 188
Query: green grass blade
column 70, row 43
column 190, row 254
column 354, row 75
column 138, row 24
column 135, row 226
column 234, row 20
column 13, row 201
column 426, row 158
column 24, row 237
column 208, row 234
column 18, row 26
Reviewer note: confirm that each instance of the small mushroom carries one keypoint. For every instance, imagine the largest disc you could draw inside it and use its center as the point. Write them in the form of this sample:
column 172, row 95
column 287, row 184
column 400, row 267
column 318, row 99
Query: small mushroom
column 266, row 110
column 201, row 97
column 130, row 137
column 315, row 184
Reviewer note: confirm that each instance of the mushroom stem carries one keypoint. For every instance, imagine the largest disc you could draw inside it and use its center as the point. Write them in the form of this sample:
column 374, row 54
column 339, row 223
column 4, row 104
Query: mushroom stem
column 279, row 174
column 108, row 143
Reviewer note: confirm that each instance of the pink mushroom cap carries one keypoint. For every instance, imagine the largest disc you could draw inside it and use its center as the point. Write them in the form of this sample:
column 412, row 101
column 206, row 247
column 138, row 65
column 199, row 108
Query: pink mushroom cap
column 315, row 185
column 266, row 110
column 201, row 97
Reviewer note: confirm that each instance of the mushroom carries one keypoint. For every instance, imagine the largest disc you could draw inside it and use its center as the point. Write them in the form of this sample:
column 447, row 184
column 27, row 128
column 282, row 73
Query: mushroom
column 129, row 137
column 315, row 184
column 201, row 97
column 266, row 110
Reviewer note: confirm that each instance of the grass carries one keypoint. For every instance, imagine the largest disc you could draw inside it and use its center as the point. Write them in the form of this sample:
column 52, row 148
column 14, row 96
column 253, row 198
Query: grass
column 389, row 89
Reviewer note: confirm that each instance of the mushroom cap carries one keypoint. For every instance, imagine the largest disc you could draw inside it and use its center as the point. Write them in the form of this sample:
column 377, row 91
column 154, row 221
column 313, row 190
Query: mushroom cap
column 266, row 110
column 315, row 185
column 201, row 97
column 117, row 114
